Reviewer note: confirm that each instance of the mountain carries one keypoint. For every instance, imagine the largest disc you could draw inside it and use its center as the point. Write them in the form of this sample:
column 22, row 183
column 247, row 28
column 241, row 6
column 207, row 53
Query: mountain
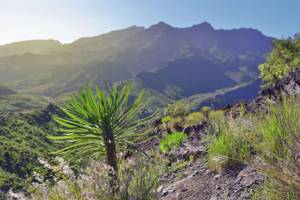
column 33, row 46
column 4, row 91
column 164, row 59
column 187, row 77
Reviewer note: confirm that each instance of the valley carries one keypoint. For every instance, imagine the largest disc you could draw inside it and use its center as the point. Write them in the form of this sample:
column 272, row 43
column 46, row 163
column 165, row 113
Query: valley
column 148, row 113
column 172, row 62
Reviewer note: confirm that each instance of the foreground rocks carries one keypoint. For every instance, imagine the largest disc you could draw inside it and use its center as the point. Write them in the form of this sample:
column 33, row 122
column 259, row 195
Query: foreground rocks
column 200, row 183
column 196, row 181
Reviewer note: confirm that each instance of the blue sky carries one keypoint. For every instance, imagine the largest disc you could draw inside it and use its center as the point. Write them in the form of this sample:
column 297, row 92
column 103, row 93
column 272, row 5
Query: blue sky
column 67, row 20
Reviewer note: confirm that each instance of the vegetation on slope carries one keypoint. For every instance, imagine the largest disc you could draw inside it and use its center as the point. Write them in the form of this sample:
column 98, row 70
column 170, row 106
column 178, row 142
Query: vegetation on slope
column 23, row 144
column 100, row 124
column 284, row 59
column 267, row 141
column 21, row 102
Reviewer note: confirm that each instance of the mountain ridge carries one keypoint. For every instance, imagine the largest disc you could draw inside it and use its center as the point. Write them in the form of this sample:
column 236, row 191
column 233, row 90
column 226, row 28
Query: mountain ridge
column 128, row 53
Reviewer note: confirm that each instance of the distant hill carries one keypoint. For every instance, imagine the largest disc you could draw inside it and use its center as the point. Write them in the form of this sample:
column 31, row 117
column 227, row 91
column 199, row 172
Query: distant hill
column 32, row 46
column 4, row 91
column 162, row 58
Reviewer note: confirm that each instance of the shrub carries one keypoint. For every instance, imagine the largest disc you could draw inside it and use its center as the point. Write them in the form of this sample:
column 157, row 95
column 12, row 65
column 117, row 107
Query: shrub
column 172, row 141
column 177, row 109
column 138, row 179
column 194, row 118
column 283, row 59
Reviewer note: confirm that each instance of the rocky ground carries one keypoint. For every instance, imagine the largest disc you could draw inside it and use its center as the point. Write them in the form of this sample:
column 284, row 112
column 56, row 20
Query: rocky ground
column 196, row 181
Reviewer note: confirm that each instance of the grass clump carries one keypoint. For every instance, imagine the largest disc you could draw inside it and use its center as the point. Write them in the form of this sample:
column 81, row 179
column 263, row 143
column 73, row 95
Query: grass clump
column 227, row 149
column 217, row 120
column 194, row 118
column 269, row 142
column 172, row 141
column 277, row 144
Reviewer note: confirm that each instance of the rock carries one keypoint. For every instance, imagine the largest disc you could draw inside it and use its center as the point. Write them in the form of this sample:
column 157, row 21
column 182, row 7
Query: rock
column 184, row 189
column 178, row 127
column 188, row 130
column 195, row 173
column 184, row 152
column 216, row 177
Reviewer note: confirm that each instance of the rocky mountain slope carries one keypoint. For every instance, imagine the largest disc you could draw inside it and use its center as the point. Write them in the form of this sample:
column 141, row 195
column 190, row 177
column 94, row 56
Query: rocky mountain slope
column 196, row 181
column 184, row 55
column 287, row 86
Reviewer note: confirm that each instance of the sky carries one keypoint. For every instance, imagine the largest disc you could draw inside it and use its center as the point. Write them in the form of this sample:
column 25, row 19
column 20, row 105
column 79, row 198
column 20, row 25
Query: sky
column 68, row 20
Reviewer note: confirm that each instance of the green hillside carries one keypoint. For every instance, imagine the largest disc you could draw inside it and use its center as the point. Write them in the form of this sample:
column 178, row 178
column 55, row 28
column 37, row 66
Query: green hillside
column 23, row 141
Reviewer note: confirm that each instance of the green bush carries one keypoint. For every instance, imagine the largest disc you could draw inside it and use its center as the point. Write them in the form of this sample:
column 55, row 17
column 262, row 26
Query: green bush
column 194, row 118
column 283, row 59
column 172, row 141
column 177, row 109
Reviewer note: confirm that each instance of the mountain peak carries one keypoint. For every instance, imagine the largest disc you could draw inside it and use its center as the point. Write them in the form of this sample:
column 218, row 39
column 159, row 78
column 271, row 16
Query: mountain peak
column 203, row 26
column 161, row 26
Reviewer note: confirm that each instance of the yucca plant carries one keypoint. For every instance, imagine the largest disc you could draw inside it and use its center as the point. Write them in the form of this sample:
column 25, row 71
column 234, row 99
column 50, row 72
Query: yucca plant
column 172, row 141
column 98, row 124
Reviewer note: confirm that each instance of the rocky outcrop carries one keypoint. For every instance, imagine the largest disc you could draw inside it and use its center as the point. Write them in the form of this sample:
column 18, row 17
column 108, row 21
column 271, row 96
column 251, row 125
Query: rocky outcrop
column 287, row 86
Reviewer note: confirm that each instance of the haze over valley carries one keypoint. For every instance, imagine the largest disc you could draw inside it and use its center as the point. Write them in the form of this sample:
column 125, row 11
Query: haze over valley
column 169, row 62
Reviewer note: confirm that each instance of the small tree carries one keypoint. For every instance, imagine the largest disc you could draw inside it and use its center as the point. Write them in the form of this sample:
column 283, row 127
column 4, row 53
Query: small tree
column 99, row 124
